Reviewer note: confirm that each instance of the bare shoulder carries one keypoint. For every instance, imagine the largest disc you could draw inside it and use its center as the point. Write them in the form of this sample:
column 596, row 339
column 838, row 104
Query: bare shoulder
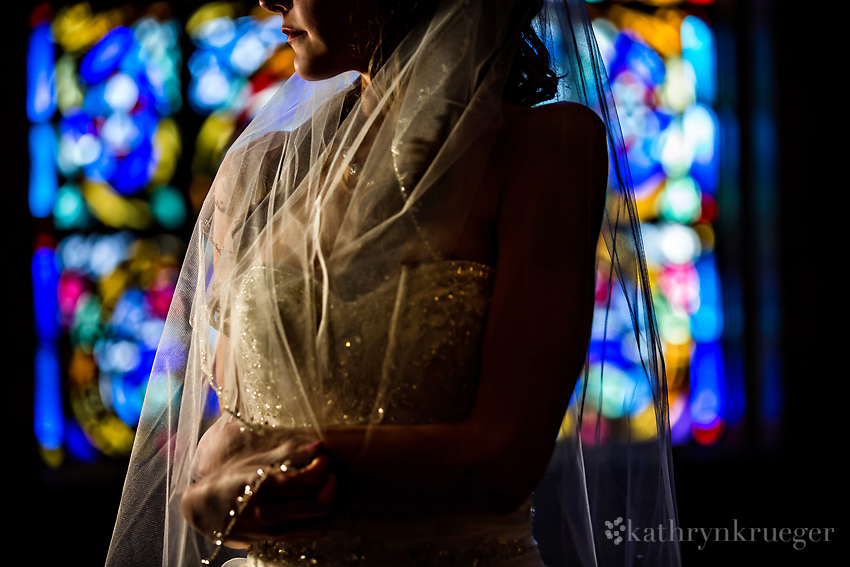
column 554, row 143
column 555, row 163
column 553, row 126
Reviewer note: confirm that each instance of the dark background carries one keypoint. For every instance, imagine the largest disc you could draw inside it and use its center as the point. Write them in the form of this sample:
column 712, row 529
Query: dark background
column 785, row 475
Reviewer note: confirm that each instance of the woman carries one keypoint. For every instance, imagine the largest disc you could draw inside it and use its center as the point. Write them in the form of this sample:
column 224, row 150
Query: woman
column 391, row 291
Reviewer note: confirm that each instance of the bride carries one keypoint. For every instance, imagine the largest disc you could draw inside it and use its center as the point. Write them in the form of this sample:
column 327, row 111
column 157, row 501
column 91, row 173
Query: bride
column 388, row 300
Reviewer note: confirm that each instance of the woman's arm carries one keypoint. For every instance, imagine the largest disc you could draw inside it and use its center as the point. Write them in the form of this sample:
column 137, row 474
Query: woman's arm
column 538, row 330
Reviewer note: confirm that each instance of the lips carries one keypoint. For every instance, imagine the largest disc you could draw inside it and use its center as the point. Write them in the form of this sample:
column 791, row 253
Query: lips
column 292, row 33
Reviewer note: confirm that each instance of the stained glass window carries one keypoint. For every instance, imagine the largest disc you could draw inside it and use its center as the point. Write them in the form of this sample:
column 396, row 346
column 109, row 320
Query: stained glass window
column 661, row 59
column 120, row 101
column 238, row 62
column 106, row 108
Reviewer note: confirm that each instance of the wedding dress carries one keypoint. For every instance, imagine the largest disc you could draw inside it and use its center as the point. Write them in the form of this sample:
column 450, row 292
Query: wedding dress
column 496, row 541
column 433, row 317
column 417, row 337
column 317, row 292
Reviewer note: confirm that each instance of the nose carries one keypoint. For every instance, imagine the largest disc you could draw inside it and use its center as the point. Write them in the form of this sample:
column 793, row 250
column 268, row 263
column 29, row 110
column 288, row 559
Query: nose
column 282, row 6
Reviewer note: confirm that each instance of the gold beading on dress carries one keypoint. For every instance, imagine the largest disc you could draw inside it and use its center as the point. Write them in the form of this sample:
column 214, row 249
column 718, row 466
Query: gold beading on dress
column 405, row 352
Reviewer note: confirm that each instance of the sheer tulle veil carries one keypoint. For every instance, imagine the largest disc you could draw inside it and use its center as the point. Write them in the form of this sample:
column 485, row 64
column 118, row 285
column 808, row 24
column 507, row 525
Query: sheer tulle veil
column 329, row 194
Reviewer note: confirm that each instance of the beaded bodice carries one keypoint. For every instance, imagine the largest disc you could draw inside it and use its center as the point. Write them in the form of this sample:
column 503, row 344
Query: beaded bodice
column 405, row 352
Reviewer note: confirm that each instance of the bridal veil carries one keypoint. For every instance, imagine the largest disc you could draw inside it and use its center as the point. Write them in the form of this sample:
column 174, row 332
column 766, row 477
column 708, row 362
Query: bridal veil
column 340, row 191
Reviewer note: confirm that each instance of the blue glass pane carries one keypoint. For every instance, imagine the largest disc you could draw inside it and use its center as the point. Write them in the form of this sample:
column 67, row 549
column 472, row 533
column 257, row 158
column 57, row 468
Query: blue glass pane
column 105, row 57
column 101, row 169
column 132, row 172
column 707, row 322
column 49, row 422
column 43, row 182
column 45, row 279
column 94, row 101
column 41, row 90
column 78, row 444
column 638, row 58
column 708, row 393
column 698, row 49
column 78, row 123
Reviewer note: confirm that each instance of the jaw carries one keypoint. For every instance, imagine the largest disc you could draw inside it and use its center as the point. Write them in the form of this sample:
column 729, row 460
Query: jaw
column 316, row 62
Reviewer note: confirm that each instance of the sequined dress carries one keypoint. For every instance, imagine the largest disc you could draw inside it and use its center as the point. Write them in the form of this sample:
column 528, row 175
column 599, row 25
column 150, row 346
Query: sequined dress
column 408, row 351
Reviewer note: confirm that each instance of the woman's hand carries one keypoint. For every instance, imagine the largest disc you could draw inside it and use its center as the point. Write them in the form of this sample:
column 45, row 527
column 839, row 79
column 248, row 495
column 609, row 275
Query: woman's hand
column 289, row 503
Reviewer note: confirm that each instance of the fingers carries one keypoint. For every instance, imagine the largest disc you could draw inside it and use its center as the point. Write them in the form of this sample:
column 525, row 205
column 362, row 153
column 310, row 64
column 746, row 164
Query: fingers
column 296, row 455
column 229, row 442
column 280, row 506
column 297, row 482
column 274, row 512
column 294, row 519
column 264, row 519
column 205, row 508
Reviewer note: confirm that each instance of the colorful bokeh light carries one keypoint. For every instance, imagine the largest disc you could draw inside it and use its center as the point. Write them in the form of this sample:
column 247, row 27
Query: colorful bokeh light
column 661, row 63
column 106, row 106
column 109, row 117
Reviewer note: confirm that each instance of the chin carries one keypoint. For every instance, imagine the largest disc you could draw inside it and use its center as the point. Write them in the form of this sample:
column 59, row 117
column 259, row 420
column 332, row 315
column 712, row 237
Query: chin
column 321, row 68
column 310, row 73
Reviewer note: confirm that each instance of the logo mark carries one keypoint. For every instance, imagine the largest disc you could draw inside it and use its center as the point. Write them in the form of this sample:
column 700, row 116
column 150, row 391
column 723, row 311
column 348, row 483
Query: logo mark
column 614, row 530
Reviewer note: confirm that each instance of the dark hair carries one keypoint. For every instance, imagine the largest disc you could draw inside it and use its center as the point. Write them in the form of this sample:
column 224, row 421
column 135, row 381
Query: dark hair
column 531, row 79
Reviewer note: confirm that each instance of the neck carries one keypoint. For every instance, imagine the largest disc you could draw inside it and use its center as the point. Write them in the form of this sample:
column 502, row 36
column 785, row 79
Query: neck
column 365, row 79
column 368, row 102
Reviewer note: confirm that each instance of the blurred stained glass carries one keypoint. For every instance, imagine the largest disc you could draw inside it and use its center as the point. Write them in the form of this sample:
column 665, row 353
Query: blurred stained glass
column 113, row 96
column 238, row 63
column 108, row 117
column 661, row 62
